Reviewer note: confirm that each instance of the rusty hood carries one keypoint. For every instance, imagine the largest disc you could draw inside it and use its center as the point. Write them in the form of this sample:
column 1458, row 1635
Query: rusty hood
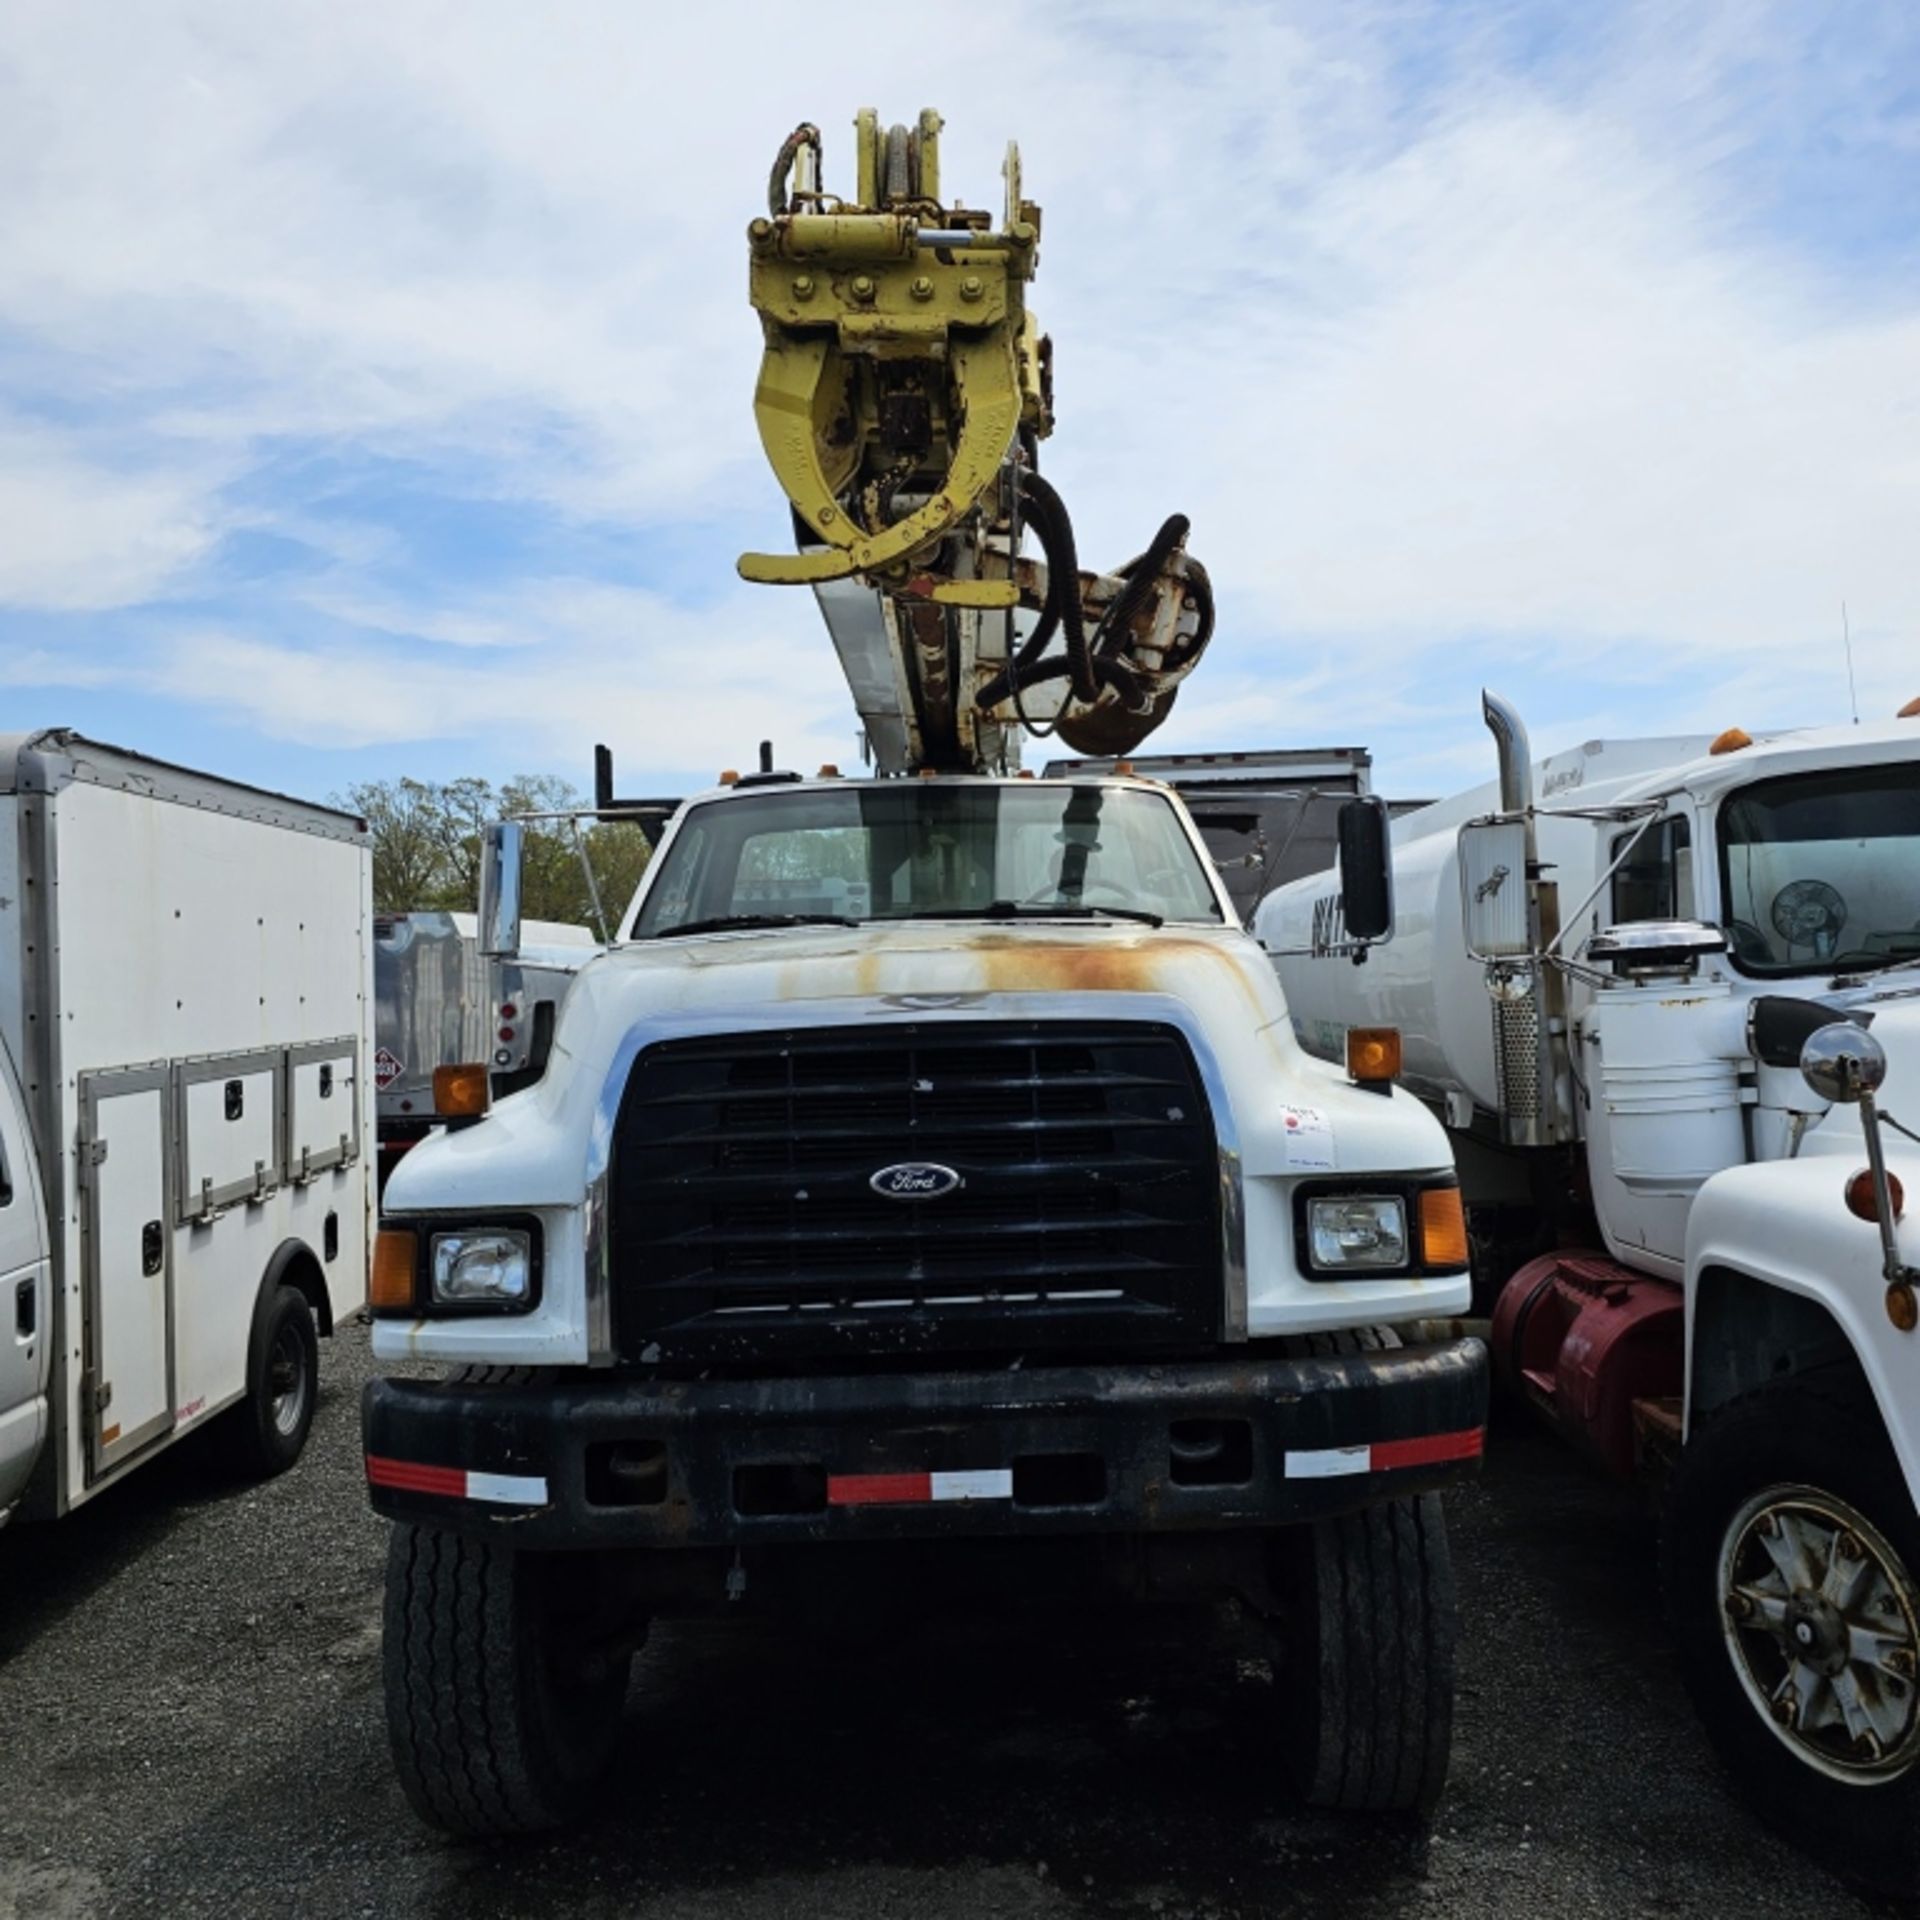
column 921, row 960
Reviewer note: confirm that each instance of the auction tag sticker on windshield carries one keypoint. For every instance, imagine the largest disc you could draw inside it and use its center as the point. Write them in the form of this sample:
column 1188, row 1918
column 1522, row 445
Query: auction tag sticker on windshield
column 1309, row 1137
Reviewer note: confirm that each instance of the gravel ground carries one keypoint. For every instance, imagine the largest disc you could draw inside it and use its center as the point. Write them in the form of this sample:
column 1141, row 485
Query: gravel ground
column 190, row 1723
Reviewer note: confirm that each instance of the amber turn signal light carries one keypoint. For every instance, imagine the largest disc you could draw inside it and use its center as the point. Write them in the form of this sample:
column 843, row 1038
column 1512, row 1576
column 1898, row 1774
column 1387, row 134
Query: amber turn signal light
column 395, row 1261
column 460, row 1092
column 1860, row 1200
column 1373, row 1054
column 1443, row 1228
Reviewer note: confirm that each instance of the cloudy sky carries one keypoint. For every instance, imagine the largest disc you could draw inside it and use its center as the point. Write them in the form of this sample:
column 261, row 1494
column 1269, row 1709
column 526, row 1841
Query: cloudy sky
column 375, row 378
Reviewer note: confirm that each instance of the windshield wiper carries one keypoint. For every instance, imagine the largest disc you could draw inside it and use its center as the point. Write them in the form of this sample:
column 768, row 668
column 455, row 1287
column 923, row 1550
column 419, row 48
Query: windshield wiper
column 1028, row 910
column 736, row 922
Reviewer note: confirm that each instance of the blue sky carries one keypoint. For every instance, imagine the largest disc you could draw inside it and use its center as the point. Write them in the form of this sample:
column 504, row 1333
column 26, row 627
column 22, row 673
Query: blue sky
column 375, row 380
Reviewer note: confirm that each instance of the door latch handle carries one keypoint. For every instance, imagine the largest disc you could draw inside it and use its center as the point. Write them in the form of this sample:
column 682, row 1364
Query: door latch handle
column 153, row 1248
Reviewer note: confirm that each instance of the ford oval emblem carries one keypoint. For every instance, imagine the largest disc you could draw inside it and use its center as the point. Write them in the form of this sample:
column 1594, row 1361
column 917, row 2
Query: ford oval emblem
column 914, row 1180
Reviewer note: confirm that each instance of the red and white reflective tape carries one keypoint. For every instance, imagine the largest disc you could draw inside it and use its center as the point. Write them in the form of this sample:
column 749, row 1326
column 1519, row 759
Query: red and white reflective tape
column 457, row 1483
column 1383, row 1456
column 910, row 1489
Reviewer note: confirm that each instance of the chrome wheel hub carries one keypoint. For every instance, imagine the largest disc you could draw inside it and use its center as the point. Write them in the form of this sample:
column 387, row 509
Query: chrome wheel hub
column 287, row 1381
column 1822, row 1623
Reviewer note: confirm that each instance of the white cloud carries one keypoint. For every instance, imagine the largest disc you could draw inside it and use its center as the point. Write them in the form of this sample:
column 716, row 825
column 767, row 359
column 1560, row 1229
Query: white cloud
column 1463, row 366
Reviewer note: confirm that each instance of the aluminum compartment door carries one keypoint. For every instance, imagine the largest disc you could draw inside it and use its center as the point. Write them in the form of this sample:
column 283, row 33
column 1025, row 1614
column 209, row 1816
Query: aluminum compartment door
column 323, row 1107
column 229, row 1129
column 123, row 1163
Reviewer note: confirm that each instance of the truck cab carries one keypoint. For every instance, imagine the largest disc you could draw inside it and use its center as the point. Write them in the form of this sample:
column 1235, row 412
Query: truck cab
column 929, row 1160
column 1666, row 996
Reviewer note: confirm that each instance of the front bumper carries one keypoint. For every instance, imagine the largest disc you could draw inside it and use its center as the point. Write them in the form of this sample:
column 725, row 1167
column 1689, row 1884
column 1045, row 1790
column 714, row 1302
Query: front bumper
column 598, row 1461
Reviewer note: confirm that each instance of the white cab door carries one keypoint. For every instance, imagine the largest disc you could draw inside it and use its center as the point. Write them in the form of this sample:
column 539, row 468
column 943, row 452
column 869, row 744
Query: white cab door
column 123, row 1163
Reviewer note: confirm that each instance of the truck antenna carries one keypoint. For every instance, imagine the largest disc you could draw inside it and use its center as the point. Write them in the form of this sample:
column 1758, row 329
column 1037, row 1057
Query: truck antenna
column 1846, row 634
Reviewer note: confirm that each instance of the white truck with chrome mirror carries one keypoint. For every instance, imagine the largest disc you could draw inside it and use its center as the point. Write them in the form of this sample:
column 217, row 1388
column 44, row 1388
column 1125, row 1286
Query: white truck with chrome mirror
column 929, row 1159
column 1655, row 990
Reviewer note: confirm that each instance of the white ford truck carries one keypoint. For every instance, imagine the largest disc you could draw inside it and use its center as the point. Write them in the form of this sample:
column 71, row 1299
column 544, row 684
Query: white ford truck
column 928, row 1159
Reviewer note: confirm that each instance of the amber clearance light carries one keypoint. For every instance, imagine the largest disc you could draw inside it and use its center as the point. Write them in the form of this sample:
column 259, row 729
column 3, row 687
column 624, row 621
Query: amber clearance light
column 1860, row 1199
column 460, row 1092
column 395, row 1261
column 1373, row 1054
column 1443, row 1228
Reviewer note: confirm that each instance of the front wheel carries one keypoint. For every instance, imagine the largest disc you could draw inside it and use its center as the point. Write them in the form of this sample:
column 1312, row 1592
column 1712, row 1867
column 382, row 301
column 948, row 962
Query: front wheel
column 1791, row 1550
column 1366, row 1675
column 503, row 1705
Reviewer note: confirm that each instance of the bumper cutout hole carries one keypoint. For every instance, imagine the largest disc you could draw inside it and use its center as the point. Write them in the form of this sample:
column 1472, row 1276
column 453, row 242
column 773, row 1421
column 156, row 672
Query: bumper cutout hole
column 1210, row 1453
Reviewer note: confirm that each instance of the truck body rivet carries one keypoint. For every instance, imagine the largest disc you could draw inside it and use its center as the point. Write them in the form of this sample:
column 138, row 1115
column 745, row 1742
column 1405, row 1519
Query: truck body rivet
column 803, row 286
column 972, row 287
column 861, row 287
column 922, row 288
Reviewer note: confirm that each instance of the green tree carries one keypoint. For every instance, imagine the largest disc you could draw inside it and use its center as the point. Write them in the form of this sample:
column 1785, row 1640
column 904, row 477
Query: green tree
column 427, row 837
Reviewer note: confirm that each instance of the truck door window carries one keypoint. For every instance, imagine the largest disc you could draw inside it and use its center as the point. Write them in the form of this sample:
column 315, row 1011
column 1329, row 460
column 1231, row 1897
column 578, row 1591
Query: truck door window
column 1656, row 881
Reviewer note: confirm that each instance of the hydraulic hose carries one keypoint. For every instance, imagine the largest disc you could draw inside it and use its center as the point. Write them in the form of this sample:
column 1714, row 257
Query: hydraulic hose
column 806, row 134
column 1111, row 634
column 1047, row 515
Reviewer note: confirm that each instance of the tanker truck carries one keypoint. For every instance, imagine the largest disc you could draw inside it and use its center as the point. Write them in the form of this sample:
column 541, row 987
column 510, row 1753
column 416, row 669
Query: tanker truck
column 1665, row 997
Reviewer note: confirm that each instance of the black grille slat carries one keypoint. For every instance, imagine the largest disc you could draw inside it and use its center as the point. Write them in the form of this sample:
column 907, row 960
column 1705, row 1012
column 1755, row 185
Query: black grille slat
column 744, row 1225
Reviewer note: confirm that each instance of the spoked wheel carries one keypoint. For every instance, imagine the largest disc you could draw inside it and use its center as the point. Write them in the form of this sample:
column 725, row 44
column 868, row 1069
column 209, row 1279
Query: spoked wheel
column 1793, row 1579
column 1823, row 1625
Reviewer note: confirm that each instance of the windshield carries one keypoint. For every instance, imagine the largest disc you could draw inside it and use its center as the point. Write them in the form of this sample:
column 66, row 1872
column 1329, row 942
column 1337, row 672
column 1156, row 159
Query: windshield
column 916, row 849
column 1822, row 870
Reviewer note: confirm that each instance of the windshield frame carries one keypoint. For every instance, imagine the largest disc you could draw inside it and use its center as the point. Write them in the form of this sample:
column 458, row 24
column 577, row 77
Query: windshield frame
column 690, row 816
column 1831, row 774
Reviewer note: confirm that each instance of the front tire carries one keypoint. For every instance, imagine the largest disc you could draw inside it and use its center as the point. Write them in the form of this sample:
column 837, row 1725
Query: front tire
column 501, row 1717
column 1366, row 1681
column 1791, row 1550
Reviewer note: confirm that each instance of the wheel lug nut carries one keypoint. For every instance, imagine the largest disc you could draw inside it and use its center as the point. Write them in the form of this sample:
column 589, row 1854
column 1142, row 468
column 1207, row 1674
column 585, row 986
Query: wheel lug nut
column 1846, row 1547
column 1739, row 1607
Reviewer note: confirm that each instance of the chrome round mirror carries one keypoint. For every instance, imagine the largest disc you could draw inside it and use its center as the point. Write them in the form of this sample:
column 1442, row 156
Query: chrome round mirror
column 1842, row 1061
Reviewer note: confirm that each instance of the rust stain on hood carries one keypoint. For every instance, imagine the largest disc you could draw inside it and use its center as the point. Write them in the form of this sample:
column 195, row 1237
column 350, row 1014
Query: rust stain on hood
column 1010, row 963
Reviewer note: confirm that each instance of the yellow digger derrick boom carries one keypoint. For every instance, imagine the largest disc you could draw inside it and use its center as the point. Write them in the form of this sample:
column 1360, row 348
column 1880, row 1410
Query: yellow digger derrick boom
column 903, row 394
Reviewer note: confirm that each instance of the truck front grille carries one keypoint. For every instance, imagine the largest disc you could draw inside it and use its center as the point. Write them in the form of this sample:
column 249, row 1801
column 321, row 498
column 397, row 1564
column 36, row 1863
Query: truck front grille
column 745, row 1224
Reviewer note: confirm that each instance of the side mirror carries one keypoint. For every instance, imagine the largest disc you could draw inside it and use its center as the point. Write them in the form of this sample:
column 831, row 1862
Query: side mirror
column 1843, row 1062
column 1366, row 870
column 1493, row 889
column 501, row 850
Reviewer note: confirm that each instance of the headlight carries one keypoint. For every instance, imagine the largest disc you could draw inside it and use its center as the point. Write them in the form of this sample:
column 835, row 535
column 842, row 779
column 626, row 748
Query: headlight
column 1357, row 1232
column 489, row 1267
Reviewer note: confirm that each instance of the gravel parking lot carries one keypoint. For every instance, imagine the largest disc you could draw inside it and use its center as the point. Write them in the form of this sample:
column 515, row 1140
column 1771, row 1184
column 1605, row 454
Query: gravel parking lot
column 190, row 1723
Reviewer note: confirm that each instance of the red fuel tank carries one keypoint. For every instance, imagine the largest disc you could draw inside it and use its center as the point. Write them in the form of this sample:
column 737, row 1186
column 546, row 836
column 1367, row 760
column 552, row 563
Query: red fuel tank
column 1581, row 1338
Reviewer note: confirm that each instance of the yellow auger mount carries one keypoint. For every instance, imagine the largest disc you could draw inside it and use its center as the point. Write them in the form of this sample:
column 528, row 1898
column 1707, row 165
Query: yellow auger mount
column 903, row 394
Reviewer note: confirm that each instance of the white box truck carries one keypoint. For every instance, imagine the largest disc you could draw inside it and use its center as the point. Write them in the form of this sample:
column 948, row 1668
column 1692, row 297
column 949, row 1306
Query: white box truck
column 185, row 1113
